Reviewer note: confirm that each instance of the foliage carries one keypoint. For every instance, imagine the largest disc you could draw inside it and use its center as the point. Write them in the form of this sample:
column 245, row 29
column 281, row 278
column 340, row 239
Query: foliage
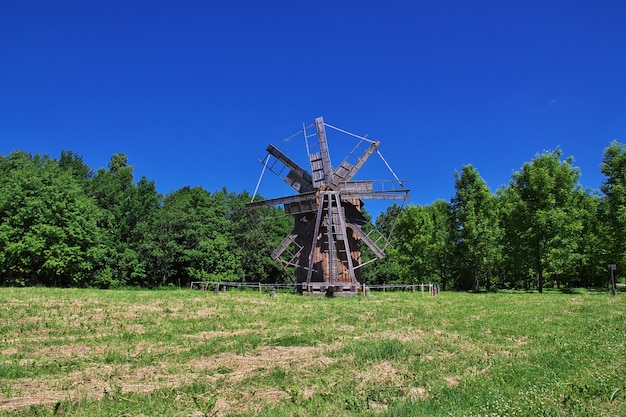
column 48, row 228
column 476, row 229
column 64, row 224
column 614, row 188
column 544, row 217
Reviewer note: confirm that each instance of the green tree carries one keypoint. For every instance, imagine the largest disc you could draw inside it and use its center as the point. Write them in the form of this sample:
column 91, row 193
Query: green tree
column 126, row 206
column 48, row 225
column 614, row 188
column 443, row 240
column 251, row 245
column 543, row 216
column 386, row 270
column 593, row 249
column 516, row 262
column 74, row 163
column 415, row 236
column 477, row 230
column 189, row 239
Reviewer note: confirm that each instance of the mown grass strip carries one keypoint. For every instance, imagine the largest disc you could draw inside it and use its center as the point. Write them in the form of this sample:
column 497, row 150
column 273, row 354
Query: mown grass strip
column 93, row 352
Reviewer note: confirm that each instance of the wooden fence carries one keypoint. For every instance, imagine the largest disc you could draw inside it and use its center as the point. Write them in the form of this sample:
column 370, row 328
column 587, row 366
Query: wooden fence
column 430, row 289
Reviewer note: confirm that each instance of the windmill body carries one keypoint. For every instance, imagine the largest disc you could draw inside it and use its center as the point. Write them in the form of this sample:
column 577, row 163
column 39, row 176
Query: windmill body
column 326, row 241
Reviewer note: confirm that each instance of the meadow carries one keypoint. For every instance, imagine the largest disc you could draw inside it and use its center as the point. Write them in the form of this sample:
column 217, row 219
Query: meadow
column 84, row 352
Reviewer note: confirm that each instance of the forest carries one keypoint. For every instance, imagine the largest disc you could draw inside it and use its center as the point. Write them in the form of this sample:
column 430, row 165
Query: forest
column 63, row 224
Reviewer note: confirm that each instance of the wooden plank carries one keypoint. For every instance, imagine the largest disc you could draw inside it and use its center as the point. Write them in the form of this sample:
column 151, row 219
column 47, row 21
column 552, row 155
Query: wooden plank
column 324, row 155
column 281, row 200
column 298, row 178
column 346, row 171
column 369, row 242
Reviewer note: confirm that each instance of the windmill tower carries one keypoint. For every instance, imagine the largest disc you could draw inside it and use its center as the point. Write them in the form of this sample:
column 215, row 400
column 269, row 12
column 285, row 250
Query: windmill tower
column 325, row 243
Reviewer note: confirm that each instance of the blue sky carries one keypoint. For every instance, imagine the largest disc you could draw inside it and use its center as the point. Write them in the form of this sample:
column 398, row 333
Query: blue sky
column 193, row 91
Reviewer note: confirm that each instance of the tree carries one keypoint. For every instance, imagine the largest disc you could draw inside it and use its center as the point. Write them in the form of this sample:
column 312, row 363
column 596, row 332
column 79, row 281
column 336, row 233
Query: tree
column 478, row 234
column 126, row 206
column 415, row 236
column 443, row 240
column 48, row 226
column 76, row 166
column 188, row 239
column 543, row 215
column 593, row 249
column 614, row 188
column 251, row 245
column 386, row 270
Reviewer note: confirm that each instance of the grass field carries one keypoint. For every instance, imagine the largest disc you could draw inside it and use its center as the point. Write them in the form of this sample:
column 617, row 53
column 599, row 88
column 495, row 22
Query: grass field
column 192, row 353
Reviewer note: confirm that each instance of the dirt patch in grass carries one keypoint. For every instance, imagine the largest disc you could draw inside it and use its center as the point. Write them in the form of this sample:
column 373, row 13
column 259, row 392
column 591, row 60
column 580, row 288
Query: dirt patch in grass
column 214, row 334
column 418, row 393
column 452, row 381
column 9, row 351
column 402, row 336
column 381, row 372
column 240, row 366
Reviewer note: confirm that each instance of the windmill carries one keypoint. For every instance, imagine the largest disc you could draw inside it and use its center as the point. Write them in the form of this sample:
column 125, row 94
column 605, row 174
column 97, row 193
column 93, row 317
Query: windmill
column 325, row 243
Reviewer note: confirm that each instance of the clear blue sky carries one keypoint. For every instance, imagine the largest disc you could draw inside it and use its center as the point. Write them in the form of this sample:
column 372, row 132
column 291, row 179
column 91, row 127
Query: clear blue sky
column 193, row 91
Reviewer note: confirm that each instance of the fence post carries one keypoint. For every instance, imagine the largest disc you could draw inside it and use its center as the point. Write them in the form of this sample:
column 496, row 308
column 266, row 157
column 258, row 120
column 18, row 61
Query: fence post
column 612, row 268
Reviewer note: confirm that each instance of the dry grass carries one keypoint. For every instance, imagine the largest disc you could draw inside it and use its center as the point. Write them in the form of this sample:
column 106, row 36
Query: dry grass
column 175, row 352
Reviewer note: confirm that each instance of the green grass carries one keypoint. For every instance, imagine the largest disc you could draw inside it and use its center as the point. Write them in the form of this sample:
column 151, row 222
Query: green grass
column 192, row 353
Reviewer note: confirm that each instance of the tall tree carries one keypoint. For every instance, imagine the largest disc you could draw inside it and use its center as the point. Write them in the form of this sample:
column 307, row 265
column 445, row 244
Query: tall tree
column 443, row 240
column 386, row 270
column 516, row 257
column 593, row 248
column 546, row 219
column 127, row 205
column 250, row 245
column 48, row 225
column 614, row 188
column 415, row 236
column 188, row 239
column 74, row 163
column 478, row 234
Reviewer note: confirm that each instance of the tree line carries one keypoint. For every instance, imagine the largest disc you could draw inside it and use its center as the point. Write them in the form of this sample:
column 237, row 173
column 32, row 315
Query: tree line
column 541, row 229
column 64, row 224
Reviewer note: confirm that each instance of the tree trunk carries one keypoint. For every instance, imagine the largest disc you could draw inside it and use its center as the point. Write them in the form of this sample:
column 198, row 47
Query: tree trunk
column 540, row 281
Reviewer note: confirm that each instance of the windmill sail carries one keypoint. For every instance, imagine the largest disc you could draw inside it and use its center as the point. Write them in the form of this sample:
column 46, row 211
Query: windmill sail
column 319, row 157
column 297, row 178
column 345, row 171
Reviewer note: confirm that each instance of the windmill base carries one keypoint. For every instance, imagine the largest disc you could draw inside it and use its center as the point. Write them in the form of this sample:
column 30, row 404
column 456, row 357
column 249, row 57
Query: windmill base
column 327, row 289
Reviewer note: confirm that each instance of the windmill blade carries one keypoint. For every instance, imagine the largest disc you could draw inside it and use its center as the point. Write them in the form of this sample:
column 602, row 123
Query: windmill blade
column 347, row 170
column 367, row 240
column 291, row 238
column 321, row 169
column 373, row 190
column 298, row 178
column 299, row 203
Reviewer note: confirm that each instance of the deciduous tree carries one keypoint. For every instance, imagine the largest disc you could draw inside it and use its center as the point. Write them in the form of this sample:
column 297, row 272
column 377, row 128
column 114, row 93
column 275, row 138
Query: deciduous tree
column 543, row 215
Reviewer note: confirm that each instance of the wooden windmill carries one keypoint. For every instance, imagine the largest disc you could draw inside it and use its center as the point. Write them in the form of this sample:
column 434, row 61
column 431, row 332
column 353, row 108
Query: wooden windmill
column 325, row 244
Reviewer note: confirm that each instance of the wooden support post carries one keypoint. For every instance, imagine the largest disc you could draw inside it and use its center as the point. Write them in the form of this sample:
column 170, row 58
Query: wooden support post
column 612, row 268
